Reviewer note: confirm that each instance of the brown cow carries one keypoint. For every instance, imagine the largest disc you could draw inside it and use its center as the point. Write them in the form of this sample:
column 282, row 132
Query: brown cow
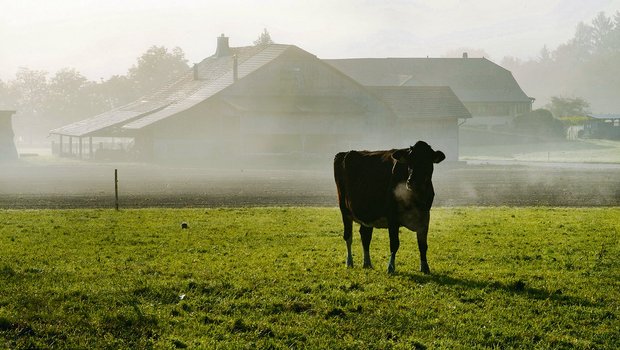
column 386, row 189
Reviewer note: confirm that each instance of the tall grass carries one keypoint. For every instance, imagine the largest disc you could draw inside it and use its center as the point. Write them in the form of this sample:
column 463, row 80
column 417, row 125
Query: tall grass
column 275, row 277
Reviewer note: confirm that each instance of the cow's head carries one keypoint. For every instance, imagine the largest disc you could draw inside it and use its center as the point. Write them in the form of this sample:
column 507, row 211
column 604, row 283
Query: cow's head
column 419, row 160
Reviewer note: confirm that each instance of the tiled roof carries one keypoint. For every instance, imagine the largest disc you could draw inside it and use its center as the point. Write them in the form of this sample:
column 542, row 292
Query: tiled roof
column 471, row 79
column 155, row 101
column 214, row 75
column 421, row 101
column 295, row 104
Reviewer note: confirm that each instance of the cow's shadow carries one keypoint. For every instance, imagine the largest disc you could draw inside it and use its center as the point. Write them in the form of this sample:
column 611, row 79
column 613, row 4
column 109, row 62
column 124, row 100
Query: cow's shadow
column 517, row 287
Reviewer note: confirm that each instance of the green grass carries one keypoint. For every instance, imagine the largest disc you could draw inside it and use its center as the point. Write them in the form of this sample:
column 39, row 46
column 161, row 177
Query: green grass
column 532, row 278
column 581, row 151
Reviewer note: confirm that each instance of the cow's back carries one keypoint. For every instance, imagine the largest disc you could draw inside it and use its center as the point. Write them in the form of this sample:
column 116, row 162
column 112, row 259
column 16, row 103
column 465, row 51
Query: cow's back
column 365, row 182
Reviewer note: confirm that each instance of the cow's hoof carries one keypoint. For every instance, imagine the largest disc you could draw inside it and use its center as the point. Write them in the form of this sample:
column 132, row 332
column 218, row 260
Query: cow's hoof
column 350, row 263
column 368, row 266
column 391, row 269
column 425, row 270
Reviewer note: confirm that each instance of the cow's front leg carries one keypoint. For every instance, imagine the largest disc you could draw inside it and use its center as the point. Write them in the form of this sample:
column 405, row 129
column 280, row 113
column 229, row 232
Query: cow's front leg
column 423, row 247
column 394, row 245
column 349, row 242
column 366, row 235
column 348, row 237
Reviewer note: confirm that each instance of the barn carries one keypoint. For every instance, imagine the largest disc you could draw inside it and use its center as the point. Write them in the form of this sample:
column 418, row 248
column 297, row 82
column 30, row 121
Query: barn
column 489, row 92
column 8, row 152
column 252, row 102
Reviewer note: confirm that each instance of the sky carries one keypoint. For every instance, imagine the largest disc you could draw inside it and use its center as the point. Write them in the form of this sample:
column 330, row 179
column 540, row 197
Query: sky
column 104, row 38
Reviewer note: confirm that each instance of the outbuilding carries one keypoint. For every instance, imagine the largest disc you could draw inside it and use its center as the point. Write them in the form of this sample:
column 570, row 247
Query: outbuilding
column 8, row 152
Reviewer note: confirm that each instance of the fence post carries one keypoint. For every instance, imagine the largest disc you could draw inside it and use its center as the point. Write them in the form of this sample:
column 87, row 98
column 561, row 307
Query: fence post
column 116, row 188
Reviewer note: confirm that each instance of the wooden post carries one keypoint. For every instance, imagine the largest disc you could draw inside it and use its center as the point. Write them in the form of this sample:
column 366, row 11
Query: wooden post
column 80, row 146
column 116, row 188
column 90, row 148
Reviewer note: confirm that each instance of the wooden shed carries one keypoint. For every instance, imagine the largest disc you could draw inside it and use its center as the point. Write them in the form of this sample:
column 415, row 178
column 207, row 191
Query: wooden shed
column 8, row 152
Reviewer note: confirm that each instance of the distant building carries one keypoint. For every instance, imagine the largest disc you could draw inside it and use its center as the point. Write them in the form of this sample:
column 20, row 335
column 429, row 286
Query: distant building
column 425, row 113
column 602, row 126
column 270, row 100
column 7, row 144
column 490, row 92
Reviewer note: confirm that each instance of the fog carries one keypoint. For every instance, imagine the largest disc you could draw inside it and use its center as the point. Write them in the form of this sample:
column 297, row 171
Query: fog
column 270, row 137
column 35, row 184
column 101, row 39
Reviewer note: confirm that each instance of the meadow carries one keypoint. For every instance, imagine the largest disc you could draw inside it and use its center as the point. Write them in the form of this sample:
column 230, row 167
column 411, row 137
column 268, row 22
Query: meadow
column 502, row 277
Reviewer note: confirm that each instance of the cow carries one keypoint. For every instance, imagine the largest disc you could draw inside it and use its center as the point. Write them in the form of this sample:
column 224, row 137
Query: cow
column 386, row 189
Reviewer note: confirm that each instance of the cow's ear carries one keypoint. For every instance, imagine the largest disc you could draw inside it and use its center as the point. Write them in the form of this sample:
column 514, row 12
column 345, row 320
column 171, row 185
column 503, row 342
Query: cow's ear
column 400, row 155
column 438, row 157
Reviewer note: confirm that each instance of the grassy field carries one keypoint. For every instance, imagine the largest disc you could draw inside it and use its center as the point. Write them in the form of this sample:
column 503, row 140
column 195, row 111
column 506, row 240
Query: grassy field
column 532, row 278
column 581, row 151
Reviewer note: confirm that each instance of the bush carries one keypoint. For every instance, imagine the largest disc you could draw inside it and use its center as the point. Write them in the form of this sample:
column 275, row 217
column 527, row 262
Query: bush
column 539, row 122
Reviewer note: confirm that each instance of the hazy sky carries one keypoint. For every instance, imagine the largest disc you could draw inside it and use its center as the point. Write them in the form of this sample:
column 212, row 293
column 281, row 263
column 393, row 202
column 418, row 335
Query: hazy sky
column 101, row 38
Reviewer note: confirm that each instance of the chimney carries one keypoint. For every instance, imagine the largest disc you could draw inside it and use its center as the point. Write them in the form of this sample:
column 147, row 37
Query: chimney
column 464, row 53
column 195, row 68
column 235, row 68
column 222, row 46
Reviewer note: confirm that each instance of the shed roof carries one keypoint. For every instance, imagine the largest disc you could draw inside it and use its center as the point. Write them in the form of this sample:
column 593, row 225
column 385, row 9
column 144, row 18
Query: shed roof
column 211, row 76
column 217, row 73
column 471, row 79
column 295, row 104
column 421, row 102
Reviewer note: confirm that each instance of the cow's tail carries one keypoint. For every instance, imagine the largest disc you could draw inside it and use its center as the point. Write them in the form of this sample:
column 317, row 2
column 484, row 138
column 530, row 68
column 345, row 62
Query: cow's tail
column 341, row 185
column 339, row 177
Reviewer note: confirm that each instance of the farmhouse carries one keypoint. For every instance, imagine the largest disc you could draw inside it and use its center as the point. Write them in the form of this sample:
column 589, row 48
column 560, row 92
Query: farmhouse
column 270, row 100
column 490, row 92
column 8, row 151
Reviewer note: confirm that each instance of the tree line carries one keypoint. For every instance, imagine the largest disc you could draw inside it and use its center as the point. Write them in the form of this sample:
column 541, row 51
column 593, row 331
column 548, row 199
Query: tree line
column 581, row 74
column 45, row 101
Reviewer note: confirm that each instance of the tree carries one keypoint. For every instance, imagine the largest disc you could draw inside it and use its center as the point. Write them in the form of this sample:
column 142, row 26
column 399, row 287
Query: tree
column 568, row 107
column 583, row 41
column 30, row 95
column 30, row 88
column 614, row 36
column 263, row 39
column 156, row 67
column 117, row 91
column 69, row 97
column 602, row 27
column 545, row 55
column 7, row 96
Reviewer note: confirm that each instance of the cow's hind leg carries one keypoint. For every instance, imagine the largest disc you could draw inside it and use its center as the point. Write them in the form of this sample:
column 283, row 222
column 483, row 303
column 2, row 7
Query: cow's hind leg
column 394, row 245
column 348, row 237
column 366, row 235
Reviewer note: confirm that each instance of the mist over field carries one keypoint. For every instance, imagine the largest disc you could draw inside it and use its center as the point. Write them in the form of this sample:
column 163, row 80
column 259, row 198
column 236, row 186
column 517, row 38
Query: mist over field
column 74, row 185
